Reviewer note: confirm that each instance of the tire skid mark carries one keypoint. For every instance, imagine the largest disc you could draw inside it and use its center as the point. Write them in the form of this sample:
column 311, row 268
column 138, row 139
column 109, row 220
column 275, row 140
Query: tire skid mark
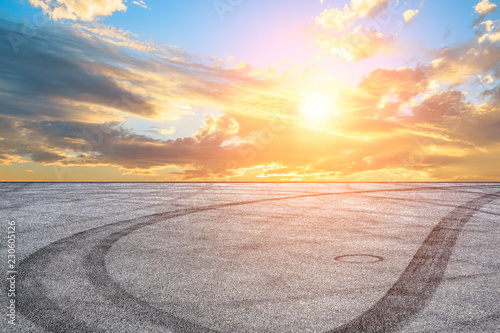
column 419, row 281
column 92, row 245
column 95, row 266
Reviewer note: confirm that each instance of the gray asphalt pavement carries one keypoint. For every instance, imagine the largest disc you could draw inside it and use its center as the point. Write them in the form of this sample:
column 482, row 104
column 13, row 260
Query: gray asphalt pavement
column 176, row 257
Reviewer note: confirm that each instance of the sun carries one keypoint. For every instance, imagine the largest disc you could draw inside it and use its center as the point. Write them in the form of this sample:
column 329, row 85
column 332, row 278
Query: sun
column 316, row 106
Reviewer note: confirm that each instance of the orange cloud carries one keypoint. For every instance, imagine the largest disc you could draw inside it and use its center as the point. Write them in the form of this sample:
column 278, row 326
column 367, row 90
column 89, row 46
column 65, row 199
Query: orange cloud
column 460, row 64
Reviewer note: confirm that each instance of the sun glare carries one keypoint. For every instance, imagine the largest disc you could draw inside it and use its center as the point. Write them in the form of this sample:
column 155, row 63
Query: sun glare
column 316, row 106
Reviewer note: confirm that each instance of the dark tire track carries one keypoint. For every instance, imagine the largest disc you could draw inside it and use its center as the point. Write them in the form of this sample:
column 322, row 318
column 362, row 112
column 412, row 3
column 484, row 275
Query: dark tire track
column 415, row 287
column 82, row 256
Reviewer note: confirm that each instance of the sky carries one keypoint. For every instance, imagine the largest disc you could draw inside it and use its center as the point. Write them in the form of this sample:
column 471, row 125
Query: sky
column 240, row 90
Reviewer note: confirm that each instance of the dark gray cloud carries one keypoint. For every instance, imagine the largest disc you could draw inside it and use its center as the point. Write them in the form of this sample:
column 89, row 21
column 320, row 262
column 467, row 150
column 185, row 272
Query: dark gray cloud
column 47, row 75
column 493, row 93
column 80, row 143
column 65, row 73
column 45, row 157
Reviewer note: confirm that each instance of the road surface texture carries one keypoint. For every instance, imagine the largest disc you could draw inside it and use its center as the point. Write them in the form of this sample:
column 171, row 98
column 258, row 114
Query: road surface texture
column 177, row 257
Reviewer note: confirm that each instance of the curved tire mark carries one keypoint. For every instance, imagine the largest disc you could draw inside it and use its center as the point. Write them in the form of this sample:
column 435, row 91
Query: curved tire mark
column 106, row 295
column 415, row 287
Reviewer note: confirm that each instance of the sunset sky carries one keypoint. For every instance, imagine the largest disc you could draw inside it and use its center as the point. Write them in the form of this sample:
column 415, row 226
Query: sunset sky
column 249, row 90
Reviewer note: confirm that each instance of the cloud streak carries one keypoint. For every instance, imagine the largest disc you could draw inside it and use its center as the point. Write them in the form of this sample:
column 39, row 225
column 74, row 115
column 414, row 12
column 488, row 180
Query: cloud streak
column 83, row 10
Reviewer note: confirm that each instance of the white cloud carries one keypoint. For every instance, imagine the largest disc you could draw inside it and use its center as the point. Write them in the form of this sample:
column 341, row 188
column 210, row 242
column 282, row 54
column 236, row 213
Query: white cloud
column 491, row 33
column 488, row 25
column 337, row 19
column 165, row 131
column 141, row 4
column 368, row 7
column 359, row 43
column 495, row 36
column 485, row 7
column 488, row 79
column 356, row 45
column 409, row 14
column 83, row 10
column 112, row 35
column 340, row 19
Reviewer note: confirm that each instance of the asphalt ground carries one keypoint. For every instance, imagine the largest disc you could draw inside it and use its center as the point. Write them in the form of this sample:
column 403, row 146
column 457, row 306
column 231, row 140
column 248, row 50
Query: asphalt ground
column 225, row 257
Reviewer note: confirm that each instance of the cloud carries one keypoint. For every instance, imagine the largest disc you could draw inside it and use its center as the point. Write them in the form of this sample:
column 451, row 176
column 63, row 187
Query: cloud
column 381, row 95
column 65, row 95
column 340, row 19
column 63, row 74
column 488, row 79
column 414, row 145
column 140, row 172
column 111, row 144
column 334, row 18
column 141, row 3
column 165, row 131
column 356, row 45
column 83, row 10
column 363, row 41
column 457, row 65
column 489, row 32
column 493, row 93
column 45, row 157
column 114, row 36
column 54, row 73
column 444, row 104
column 369, row 7
column 485, row 7
column 409, row 14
